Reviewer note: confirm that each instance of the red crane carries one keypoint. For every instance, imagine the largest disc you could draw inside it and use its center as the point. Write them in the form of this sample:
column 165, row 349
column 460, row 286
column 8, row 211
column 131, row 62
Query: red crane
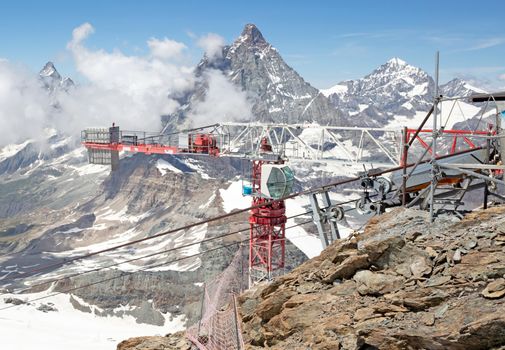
column 267, row 239
column 270, row 181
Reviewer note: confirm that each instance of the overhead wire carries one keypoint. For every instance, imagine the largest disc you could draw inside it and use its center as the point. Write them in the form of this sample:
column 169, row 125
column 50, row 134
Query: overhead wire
column 146, row 268
column 185, row 227
column 189, row 226
column 66, row 261
column 206, row 240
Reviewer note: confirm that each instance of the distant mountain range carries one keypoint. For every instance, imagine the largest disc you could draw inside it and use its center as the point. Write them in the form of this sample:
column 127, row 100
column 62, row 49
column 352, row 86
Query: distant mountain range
column 279, row 94
column 393, row 89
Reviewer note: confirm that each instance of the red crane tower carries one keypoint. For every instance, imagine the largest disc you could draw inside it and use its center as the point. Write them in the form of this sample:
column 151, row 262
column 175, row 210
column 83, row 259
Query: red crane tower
column 271, row 180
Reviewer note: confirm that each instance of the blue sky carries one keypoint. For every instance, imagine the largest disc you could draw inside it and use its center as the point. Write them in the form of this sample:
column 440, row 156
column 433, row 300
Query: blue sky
column 325, row 41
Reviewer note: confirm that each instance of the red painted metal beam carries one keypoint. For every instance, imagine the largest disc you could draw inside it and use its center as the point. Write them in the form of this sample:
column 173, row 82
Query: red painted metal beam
column 454, row 142
column 424, row 144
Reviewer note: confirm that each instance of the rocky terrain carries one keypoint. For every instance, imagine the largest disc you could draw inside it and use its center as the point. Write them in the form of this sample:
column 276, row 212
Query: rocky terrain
column 400, row 284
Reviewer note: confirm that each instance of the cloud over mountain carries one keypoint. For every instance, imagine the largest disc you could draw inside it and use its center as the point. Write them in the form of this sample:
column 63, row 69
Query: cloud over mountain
column 133, row 91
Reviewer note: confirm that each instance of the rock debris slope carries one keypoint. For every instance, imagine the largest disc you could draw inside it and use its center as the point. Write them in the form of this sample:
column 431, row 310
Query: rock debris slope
column 399, row 285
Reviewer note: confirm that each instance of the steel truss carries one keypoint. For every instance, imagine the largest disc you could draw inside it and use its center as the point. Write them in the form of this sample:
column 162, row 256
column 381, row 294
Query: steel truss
column 350, row 146
column 339, row 144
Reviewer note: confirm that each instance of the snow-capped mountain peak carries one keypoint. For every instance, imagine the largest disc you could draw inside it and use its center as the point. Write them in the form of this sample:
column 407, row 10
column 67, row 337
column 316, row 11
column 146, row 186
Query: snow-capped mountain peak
column 395, row 69
column 459, row 87
column 339, row 89
column 396, row 62
column 394, row 88
column 52, row 80
column 252, row 35
column 274, row 89
column 50, row 71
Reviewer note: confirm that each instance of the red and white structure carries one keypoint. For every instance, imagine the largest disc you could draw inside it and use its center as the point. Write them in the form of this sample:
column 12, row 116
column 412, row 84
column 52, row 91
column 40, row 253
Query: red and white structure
column 270, row 180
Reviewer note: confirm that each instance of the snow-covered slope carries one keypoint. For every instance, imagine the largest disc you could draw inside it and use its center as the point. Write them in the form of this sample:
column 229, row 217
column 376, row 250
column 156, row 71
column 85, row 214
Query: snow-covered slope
column 62, row 326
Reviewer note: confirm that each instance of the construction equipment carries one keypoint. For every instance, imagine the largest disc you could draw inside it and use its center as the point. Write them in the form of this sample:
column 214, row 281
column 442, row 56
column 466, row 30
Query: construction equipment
column 466, row 160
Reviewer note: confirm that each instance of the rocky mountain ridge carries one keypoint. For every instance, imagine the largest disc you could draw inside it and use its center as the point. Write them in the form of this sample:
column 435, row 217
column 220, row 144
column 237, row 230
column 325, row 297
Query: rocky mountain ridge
column 394, row 89
column 276, row 92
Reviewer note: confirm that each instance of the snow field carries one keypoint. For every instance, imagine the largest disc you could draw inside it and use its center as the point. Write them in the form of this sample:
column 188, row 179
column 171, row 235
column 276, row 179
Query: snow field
column 23, row 327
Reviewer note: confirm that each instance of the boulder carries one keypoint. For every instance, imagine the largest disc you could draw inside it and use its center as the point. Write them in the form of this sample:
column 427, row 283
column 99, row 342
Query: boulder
column 377, row 283
column 495, row 289
column 347, row 268
column 420, row 266
column 272, row 306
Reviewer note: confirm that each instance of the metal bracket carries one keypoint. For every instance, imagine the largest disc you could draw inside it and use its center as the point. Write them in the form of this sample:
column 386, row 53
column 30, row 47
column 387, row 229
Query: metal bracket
column 327, row 215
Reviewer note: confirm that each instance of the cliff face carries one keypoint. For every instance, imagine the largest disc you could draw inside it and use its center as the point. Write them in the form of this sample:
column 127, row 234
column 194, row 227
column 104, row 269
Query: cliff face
column 399, row 285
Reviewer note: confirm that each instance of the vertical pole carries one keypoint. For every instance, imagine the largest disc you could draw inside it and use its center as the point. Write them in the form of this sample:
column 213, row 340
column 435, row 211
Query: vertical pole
column 201, row 308
column 486, row 183
column 270, row 244
column 251, row 242
column 241, row 247
column 235, row 312
column 435, row 134
column 404, row 161
column 283, row 247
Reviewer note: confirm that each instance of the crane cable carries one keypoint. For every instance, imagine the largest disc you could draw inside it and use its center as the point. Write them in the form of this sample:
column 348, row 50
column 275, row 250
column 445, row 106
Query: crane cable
column 141, row 257
column 185, row 227
column 126, row 273
column 215, row 218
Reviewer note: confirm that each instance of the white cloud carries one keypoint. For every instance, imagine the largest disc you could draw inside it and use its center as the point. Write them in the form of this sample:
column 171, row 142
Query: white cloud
column 212, row 44
column 223, row 101
column 80, row 33
column 501, row 77
column 165, row 48
column 129, row 90
column 131, row 74
column 483, row 44
column 132, row 91
column 24, row 107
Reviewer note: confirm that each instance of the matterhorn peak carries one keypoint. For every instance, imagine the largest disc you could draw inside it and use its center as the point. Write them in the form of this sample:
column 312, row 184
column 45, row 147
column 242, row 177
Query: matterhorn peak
column 251, row 34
